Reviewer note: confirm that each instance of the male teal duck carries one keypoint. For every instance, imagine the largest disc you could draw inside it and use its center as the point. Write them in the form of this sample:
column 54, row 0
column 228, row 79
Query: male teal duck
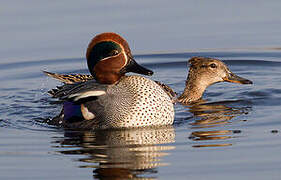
column 109, row 98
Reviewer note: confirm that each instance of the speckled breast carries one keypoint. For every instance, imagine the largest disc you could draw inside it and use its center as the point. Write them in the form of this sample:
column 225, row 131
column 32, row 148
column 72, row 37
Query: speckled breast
column 136, row 101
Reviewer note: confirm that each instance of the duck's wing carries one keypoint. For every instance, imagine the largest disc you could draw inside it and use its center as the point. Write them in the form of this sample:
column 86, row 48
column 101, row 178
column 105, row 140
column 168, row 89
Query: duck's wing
column 79, row 91
column 69, row 78
column 171, row 93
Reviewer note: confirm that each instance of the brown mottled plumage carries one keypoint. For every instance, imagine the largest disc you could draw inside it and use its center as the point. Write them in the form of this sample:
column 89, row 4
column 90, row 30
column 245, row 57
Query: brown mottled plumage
column 69, row 78
column 204, row 72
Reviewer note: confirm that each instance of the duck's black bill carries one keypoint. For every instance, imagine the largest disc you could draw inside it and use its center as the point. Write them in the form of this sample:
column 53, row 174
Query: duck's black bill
column 237, row 79
column 133, row 66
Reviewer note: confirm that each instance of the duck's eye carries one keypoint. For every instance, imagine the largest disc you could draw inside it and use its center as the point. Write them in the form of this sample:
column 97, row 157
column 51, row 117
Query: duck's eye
column 213, row 65
column 113, row 52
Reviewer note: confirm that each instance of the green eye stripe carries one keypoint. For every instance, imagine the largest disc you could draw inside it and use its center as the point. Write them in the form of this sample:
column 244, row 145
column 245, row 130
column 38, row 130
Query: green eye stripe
column 102, row 50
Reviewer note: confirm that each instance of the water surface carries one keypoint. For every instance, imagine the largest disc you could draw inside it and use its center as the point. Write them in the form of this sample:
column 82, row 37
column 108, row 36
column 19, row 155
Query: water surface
column 235, row 134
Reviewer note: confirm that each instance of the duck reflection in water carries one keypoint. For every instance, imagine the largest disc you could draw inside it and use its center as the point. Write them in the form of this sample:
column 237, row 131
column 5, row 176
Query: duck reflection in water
column 120, row 154
column 213, row 116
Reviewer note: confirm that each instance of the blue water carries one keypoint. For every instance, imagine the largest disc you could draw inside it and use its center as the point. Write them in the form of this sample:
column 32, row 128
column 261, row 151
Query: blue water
column 234, row 135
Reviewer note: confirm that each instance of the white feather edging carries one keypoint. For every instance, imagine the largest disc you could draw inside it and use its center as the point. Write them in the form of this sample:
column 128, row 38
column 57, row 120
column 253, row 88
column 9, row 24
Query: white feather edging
column 78, row 96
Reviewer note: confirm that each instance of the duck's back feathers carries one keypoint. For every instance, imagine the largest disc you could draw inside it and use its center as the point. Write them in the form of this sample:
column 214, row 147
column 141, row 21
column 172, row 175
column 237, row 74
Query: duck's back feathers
column 69, row 78
column 76, row 78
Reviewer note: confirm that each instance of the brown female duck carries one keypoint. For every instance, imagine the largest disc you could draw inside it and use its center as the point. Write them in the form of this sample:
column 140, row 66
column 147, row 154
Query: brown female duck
column 204, row 72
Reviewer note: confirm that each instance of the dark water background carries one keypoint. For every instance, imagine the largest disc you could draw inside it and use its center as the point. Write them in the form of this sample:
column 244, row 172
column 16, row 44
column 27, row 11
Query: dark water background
column 235, row 135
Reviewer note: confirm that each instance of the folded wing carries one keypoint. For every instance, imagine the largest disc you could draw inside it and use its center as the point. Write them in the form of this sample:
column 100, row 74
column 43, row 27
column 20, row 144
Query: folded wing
column 79, row 91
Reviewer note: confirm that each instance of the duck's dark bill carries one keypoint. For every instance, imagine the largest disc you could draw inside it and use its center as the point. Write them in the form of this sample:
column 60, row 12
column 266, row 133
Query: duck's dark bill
column 133, row 66
column 237, row 79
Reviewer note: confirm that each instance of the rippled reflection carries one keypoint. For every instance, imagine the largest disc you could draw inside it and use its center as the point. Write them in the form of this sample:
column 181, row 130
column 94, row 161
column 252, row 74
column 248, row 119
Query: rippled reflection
column 120, row 154
column 212, row 116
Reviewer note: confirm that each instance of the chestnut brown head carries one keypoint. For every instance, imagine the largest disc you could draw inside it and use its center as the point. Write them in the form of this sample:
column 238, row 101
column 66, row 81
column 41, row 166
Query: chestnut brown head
column 109, row 58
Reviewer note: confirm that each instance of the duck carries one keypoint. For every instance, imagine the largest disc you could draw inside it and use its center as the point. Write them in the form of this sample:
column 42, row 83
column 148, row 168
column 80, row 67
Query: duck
column 204, row 72
column 109, row 98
